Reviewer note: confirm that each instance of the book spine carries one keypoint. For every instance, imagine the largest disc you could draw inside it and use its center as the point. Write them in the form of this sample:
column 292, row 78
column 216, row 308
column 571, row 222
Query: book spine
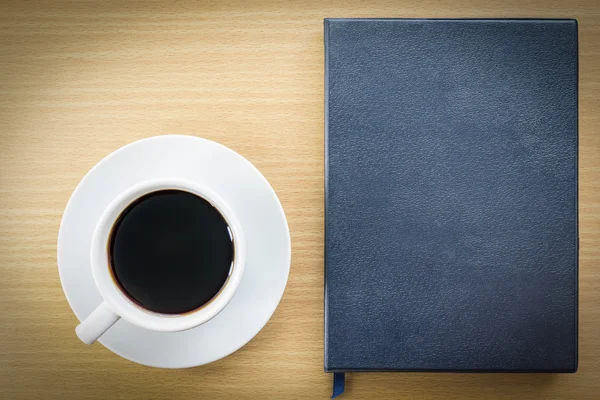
column 326, row 173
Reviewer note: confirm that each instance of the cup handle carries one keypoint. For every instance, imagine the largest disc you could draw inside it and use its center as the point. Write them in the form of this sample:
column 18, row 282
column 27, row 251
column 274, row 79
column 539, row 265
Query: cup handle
column 98, row 322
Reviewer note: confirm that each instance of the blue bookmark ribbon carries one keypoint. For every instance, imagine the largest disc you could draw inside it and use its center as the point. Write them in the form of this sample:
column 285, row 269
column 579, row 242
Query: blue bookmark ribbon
column 339, row 381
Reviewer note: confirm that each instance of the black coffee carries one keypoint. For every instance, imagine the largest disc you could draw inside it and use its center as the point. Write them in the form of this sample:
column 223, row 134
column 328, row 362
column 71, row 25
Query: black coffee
column 171, row 251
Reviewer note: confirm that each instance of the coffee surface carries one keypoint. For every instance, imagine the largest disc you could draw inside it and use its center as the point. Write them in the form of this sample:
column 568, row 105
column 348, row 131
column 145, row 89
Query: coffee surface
column 171, row 251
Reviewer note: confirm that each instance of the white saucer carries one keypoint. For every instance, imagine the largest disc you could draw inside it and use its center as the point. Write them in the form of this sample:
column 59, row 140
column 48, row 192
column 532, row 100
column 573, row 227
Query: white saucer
column 250, row 196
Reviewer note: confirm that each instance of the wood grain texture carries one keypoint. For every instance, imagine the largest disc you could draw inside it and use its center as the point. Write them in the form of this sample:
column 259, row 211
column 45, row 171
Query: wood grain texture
column 78, row 80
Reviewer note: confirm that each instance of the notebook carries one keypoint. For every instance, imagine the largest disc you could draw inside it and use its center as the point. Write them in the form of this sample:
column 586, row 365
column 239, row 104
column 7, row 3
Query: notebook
column 451, row 237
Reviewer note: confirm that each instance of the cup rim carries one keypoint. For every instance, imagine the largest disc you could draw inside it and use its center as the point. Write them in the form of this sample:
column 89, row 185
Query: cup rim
column 125, row 307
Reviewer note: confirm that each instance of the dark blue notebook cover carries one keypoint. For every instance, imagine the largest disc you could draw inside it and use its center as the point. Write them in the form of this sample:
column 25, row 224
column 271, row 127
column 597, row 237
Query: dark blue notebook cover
column 451, row 195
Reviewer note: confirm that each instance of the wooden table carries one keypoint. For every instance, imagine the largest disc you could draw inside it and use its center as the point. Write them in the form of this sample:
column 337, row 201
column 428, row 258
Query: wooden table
column 79, row 80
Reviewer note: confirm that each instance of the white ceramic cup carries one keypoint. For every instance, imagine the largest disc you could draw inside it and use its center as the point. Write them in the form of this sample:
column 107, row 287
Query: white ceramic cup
column 117, row 305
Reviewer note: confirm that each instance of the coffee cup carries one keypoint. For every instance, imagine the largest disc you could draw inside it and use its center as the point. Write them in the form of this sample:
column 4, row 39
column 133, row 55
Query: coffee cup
column 166, row 255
